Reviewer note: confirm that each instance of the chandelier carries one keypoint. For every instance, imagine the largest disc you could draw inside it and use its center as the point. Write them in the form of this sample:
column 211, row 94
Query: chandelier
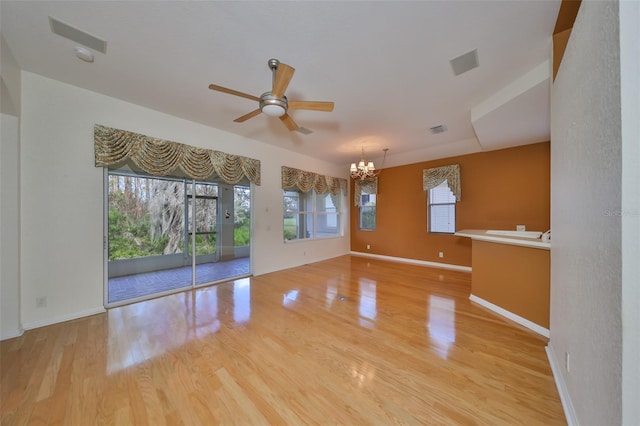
column 366, row 169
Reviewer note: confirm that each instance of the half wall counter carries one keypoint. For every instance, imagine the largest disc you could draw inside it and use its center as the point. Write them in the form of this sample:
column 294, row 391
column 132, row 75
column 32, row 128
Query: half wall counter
column 511, row 275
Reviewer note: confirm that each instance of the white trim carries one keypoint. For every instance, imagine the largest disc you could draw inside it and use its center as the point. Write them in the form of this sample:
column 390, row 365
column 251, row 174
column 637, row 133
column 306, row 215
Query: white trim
column 105, row 236
column 413, row 261
column 565, row 398
column 482, row 235
column 63, row 318
column 12, row 334
column 510, row 315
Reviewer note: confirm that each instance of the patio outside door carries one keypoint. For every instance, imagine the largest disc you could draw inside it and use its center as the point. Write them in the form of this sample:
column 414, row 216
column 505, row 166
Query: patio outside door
column 164, row 235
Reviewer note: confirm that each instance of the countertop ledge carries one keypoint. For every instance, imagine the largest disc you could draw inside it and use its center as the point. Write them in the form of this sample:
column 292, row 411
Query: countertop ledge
column 481, row 235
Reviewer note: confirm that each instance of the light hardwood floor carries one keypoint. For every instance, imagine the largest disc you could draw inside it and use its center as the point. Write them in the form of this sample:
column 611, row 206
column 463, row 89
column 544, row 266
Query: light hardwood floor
column 349, row 340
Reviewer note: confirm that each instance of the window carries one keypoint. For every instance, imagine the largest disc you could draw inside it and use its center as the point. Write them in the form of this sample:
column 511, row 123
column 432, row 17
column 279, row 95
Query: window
column 365, row 198
column 368, row 212
column 311, row 215
column 326, row 215
column 441, row 209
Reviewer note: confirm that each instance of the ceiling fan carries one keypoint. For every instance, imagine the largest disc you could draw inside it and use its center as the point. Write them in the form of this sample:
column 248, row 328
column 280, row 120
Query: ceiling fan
column 275, row 103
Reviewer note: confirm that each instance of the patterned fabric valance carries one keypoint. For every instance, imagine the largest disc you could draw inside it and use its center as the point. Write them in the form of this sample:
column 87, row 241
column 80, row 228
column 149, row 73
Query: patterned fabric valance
column 366, row 186
column 306, row 181
column 434, row 177
column 115, row 148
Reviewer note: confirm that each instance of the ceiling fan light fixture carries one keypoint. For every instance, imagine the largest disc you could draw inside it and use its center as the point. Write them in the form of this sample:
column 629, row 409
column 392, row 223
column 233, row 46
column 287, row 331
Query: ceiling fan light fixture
column 274, row 110
column 272, row 106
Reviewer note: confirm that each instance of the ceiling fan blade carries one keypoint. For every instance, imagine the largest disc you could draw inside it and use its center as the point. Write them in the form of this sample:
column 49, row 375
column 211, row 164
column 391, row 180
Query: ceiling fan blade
column 284, row 73
column 288, row 121
column 312, row 106
column 248, row 116
column 233, row 92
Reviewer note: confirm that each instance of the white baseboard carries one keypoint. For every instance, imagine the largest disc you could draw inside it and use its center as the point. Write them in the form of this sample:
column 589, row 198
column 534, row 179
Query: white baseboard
column 567, row 405
column 413, row 261
column 11, row 334
column 510, row 315
column 63, row 318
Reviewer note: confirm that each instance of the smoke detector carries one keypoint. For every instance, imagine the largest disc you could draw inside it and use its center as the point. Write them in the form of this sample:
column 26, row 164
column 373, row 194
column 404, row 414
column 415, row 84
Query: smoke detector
column 83, row 53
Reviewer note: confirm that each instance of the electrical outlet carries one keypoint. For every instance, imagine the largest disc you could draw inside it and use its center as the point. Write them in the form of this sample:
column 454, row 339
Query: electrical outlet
column 441, row 254
column 41, row 302
column 368, row 246
column 521, row 228
column 567, row 362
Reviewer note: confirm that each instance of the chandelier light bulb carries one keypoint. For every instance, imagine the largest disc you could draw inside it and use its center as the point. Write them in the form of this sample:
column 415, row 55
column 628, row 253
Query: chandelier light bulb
column 366, row 169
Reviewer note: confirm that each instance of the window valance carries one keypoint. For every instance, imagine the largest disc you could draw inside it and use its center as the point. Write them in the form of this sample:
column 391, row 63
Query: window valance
column 115, row 148
column 366, row 186
column 435, row 176
column 306, row 181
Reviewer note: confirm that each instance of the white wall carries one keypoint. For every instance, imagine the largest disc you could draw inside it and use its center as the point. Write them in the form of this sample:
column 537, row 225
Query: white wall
column 586, row 175
column 9, row 229
column 10, row 325
column 630, row 109
column 10, row 73
column 62, row 195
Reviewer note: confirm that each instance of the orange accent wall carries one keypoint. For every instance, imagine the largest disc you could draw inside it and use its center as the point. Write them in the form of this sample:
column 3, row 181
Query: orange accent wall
column 564, row 23
column 500, row 189
column 560, row 41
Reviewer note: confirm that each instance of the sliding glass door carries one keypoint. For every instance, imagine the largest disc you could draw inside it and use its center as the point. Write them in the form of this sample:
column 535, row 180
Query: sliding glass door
column 202, row 230
column 169, row 234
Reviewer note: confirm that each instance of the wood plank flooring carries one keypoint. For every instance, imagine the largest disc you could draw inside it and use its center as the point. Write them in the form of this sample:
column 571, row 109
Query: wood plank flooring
column 349, row 340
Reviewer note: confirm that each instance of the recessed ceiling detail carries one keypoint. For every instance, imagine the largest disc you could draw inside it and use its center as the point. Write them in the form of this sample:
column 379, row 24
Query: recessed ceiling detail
column 464, row 63
column 84, row 38
column 516, row 115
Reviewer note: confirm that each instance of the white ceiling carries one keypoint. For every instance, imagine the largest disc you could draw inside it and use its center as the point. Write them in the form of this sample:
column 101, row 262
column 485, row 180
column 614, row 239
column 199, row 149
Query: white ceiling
column 385, row 64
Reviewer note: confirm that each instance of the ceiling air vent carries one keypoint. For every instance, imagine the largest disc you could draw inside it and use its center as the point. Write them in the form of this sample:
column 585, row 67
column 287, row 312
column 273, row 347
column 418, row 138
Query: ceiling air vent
column 79, row 36
column 464, row 63
column 304, row 130
column 438, row 129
